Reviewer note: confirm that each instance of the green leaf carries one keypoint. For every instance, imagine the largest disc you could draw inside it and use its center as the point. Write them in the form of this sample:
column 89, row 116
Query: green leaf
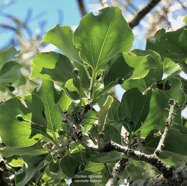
column 99, row 38
column 112, row 133
column 72, row 90
column 94, row 167
column 39, row 122
column 69, row 165
column 139, row 170
column 52, row 66
column 154, row 74
column 103, row 113
column 33, row 162
column 109, row 157
column 35, row 149
column 176, row 92
column 7, row 55
column 118, row 69
column 171, row 44
column 64, row 101
column 135, row 83
column 16, row 132
column 140, row 64
column 131, row 114
column 157, row 110
column 173, row 152
column 174, row 144
column 62, row 38
column 113, row 111
column 10, row 73
column 52, row 115
column 170, row 67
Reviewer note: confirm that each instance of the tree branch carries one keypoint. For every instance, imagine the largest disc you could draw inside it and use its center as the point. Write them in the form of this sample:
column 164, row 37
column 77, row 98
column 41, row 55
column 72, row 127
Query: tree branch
column 117, row 169
column 82, row 7
column 143, row 12
column 166, row 130
column 151, row 159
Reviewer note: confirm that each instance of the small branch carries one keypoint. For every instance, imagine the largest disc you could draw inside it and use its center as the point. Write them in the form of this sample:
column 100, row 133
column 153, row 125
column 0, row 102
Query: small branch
column 117, row 169
column 143, row 12
column 82, row 7
column 166, row 130
column 151, row 159
column 64, row 115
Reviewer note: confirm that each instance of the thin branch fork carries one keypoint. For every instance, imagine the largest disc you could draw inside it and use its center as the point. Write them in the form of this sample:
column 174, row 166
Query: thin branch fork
column 143, row 12
column 169, row 121
column 117, row 169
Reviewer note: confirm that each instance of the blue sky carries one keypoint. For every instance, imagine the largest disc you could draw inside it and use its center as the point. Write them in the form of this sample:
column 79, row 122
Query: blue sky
column 47, row 11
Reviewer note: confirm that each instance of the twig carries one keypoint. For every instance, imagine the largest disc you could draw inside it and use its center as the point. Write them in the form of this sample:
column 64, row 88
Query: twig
column 182, row 5
column 166, row 130
column 82, row 7
column 143, row 12
column 117, row 169
column 64, row 116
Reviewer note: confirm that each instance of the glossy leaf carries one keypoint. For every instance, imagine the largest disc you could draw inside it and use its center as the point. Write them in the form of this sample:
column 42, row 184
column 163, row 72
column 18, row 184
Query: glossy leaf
column 112, row 133
column 103, row 113
column 171, row 44
column 39, row 122
column 24, row 176
column 62, row 38
column 52, row 115
column 16, row 132
column 71, row 89
column 175, row 92
column 174, row 152
column 131, row 114
column 35, row 149
column 140, row 64
column 157, row 112
column 64, row 101
column 110, row 157
column 101, row 37
column 135, row 83
column 11, row 73
column 118, row 69
column 7, row 55
column 52, row 66
column 69, row 165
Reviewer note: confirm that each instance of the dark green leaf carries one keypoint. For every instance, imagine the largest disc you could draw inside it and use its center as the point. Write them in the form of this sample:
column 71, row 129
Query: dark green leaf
column 53, row 117
column 171, row 44
column 140, row 64
column 133, row 109
column 52, row 66
column 109, row 157
column 62, row 38
column 13, row 132
column 101, row 37
column 33, row 162
column 35, row 149
column 157, row 113
column 103, row 113
column 7, row 55
column 112, row 133
column 69, row 165
column 118, row 69
column 11, row 74
column 175, row 92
